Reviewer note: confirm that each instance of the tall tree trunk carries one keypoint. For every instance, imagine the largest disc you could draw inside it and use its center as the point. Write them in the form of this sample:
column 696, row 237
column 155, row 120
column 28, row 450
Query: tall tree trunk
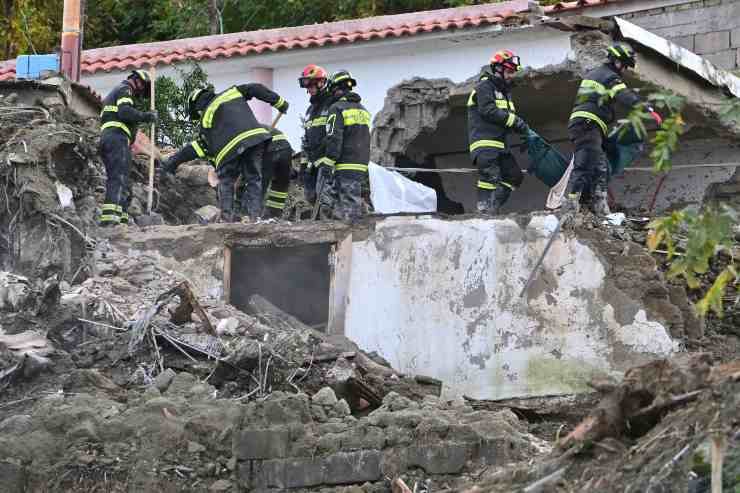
column 214, row 17
column 8, row 10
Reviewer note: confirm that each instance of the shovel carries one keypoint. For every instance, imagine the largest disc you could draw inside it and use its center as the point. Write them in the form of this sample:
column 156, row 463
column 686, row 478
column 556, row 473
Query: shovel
column 151, row 218
column 213, row 178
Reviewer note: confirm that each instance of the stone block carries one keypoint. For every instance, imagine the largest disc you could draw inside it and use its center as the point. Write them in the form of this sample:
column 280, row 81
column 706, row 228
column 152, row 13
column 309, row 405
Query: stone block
column 12, row 478
column 267, row 474
column 261, row 444
column 303, row 473
column 712, row 42
column 724, row 59
column 447, row 458
column 352, row 467
column 735, row 38
column 685, row 41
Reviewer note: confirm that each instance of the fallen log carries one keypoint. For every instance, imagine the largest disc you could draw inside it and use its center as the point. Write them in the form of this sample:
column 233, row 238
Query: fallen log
column 637, row 404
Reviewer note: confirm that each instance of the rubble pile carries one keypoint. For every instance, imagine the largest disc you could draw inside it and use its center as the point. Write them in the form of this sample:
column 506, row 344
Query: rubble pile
column 121, row 368
column 53, row 182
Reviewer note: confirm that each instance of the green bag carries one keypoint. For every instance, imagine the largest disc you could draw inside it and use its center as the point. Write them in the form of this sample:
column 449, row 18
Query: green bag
column 623, row 146
column 546, row 163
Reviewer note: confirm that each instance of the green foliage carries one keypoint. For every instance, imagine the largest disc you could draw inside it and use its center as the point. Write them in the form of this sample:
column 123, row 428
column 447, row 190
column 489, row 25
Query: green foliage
column 29, row 25
column 708, row 232
column 171, row 101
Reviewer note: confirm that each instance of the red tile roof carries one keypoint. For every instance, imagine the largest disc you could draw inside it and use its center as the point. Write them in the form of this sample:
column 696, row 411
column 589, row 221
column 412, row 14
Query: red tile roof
column 333, row 33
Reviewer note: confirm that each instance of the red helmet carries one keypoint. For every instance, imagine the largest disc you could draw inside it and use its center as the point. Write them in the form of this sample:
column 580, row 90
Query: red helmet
column 313, row 74
column 507, row 60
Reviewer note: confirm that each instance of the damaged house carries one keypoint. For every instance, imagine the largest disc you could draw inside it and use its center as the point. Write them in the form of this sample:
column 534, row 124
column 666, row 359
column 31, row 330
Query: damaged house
column 321, row 355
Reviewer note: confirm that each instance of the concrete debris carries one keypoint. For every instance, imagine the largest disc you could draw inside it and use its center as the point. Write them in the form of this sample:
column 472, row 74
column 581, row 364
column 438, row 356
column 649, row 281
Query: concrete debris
column 136, row 358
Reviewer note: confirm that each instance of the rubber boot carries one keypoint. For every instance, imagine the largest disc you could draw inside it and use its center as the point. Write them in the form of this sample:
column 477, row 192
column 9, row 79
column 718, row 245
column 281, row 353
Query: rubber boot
column 600, row 204
column 500, row 197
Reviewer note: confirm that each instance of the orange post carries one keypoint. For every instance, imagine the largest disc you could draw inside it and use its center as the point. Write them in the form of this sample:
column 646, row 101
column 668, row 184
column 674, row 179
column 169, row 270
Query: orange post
column 71, row 24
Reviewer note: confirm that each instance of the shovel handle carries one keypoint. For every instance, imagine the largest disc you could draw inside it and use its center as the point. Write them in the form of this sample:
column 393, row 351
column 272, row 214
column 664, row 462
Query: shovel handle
column 150, row 192
column 277, row 119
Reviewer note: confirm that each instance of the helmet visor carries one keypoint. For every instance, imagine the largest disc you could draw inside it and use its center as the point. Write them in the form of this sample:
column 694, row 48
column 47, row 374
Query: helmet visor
column 306, row 82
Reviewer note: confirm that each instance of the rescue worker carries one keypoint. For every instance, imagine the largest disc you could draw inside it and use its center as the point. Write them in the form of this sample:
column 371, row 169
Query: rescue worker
column 588, row 127
column 118, row 120
column 276, row 168
column 231, row 138
column 315, row 80
column 347, row 145
column 491, row 118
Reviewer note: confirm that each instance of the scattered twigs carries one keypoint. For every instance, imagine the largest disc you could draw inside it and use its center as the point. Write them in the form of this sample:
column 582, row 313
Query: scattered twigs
column 120, row 329
column 540, row 485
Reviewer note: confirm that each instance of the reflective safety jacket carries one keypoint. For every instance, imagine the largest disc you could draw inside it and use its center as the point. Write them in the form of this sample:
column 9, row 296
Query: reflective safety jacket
column 491, row 115
column 347, row 135
column 119, row 114
column 314, row 139
column 279, row 141
column 228, row 127
column 597, row 93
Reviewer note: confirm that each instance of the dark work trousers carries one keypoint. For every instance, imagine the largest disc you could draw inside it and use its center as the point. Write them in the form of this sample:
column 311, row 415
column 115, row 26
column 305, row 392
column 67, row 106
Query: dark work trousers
column 275, row 181
column 348, row 185
column 308, row 176
column 589, row 173
column 326, row 191
column 248, row 165
column 498, row 175
column 116, row 155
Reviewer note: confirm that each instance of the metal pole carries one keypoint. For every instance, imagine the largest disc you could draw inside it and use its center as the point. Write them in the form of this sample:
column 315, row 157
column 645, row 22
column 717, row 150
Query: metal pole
column 71, row 40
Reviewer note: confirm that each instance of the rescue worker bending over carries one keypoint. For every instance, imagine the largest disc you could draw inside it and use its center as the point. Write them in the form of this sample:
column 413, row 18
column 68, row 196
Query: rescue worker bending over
column 347, row 145
column 118, row 121
column 231, row 138
column 314, row 80
column 588, row 126
column 491, row 118
column 276, row 168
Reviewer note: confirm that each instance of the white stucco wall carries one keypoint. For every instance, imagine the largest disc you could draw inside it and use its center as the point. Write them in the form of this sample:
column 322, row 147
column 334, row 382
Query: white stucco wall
column 441, row 298
column 377, row 65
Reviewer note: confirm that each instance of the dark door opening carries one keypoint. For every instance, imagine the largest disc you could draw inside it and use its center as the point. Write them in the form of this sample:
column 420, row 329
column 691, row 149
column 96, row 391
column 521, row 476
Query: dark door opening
column 295, row 279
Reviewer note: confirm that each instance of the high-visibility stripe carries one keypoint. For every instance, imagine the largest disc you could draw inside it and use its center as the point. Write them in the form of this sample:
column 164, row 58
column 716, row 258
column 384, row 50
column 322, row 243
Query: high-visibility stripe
column 109, row 108
column 277, row 137
column 317, row 122
column 502, row 103
column 484, row 185
column 278, row 195
column 351, row 167
column 229, row 95
column 116, row 125
column 280, row 102
column 617, row 88
column 275, row 205
column 124, row 101
column 510, row 120
column 109, row 208
column 198, row 149
column 324, row 161
column 590, row 116
column 119, row 209
column 110, row 218
column 236, row 140
column 471, row 99
column 593, row 85
column 487, row 143
column 356, row 116
column 613, row 50
column 508, row 185
column 124, row 218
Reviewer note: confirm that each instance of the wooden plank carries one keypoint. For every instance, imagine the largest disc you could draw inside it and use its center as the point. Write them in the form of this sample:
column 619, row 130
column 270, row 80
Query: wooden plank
column 340, row 265
column 227, row 274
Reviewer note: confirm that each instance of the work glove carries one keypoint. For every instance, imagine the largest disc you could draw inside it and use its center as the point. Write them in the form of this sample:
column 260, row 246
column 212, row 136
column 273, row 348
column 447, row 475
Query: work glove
column 658, row 119
column 150, row 117
column 169, row 166
column 520, row 126
column 283, row 108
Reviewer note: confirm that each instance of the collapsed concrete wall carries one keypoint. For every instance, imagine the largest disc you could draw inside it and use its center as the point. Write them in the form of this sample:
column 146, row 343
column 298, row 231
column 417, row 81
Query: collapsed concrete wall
column 424, row 124
column 441, row 298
